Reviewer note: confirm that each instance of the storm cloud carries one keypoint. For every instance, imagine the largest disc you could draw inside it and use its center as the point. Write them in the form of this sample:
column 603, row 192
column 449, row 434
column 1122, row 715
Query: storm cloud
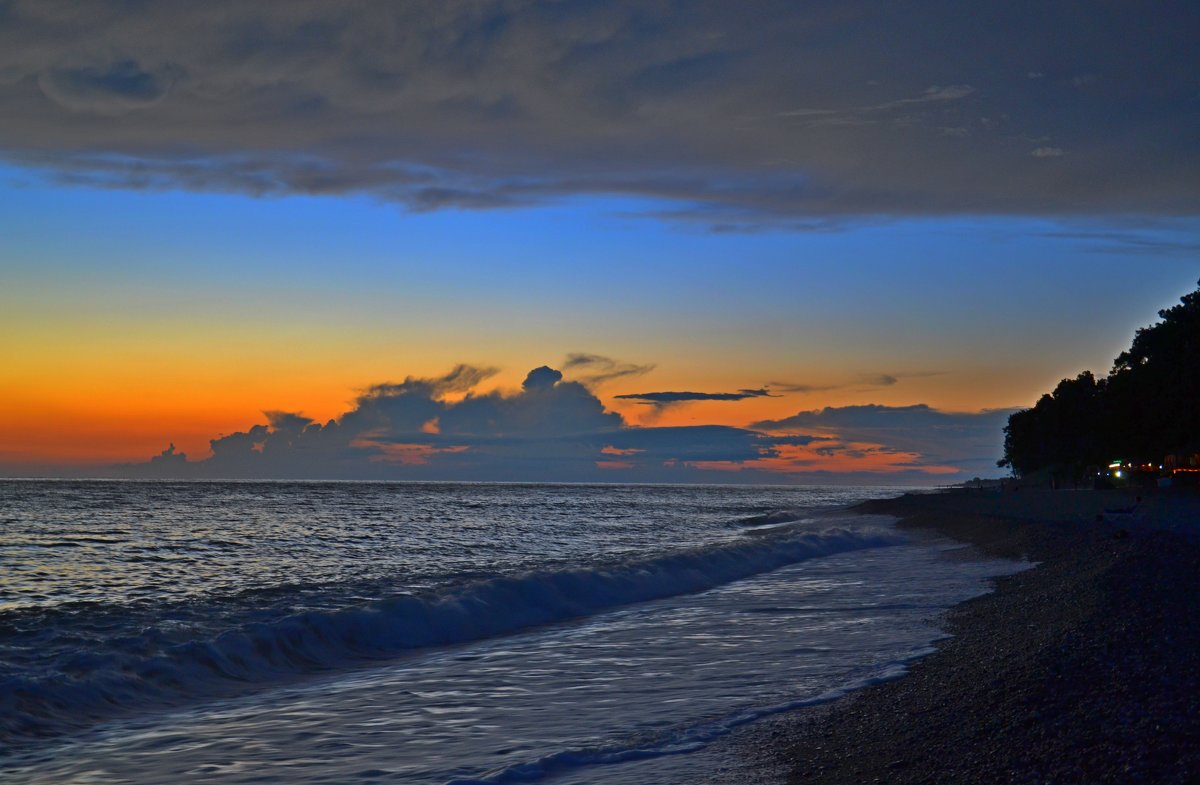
column 736, row 114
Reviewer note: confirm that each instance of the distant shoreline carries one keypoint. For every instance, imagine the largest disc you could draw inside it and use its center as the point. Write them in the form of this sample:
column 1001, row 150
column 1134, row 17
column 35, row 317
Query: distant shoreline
column 1085, row 668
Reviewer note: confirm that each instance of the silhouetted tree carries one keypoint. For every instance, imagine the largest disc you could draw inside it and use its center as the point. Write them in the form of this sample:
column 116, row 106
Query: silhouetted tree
column 1155, row 385
column 1148, row 406
column 1064, row 431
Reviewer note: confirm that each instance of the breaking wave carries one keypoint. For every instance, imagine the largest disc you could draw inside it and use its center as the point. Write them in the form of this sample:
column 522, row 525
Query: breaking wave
column 93, row 686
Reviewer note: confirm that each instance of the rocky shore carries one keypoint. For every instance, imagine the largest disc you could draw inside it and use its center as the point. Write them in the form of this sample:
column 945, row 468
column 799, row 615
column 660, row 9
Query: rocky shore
column 1084, row 669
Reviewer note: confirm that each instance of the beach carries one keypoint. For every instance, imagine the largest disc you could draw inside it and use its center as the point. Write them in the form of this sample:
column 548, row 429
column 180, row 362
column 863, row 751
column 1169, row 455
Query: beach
column 1083, row 669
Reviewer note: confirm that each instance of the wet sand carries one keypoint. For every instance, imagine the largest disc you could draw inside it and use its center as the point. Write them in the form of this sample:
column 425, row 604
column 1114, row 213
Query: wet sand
column 1084, row 669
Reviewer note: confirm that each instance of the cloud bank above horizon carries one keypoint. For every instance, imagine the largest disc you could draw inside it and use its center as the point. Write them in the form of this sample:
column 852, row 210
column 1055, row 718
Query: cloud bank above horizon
column 554, row 429
column 735, row 116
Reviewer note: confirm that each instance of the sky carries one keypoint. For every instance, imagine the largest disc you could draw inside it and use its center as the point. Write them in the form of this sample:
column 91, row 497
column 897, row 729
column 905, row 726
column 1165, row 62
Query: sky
column 577, row 241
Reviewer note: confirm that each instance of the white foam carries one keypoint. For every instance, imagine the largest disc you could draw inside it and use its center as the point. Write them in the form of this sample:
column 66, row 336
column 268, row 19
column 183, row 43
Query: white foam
column 684, row 741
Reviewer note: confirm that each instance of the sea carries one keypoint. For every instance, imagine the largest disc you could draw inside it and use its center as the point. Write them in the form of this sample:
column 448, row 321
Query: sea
column 353, row 632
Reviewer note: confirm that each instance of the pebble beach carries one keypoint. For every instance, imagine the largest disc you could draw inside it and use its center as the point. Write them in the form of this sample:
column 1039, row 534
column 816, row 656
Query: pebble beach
column 1083, row 669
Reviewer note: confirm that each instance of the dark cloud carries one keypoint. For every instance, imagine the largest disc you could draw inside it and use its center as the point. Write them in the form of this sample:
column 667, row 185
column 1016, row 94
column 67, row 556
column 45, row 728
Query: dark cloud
column 287, row 422
column 670, row 398
column 595, row 369
column 169, row 463
column 744, row 115
column 555, row 429
column 410, row 405
column 542, row 378
column 695, row 443
column 545, row 408
column 969, row 441
column 549, row 429
column 113, row 87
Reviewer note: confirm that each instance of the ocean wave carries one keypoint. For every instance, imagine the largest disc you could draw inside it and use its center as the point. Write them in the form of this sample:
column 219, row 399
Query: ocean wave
column 770, row 518
column 86, row 686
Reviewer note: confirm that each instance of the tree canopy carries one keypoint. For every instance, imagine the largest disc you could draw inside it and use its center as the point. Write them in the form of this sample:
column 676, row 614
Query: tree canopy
column 1147, row 407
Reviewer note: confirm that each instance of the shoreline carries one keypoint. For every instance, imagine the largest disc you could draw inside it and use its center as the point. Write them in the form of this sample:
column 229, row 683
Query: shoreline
column 1084, row 668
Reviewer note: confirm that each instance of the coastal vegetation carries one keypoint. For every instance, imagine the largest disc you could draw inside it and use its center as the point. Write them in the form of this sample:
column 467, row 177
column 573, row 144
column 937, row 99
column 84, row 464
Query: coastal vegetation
column 1145, row 413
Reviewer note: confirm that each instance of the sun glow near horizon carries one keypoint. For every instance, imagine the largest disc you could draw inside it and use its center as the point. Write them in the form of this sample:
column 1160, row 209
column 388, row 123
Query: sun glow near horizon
column 106, row 384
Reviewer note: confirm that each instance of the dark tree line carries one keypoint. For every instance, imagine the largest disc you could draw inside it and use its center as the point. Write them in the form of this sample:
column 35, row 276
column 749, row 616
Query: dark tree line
column 1147, row 407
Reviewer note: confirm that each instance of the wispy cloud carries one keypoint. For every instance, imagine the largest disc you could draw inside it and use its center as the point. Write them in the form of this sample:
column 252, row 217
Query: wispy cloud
column 1159, row 243
column 595, row 369
column 462, row 378
column 675, row 397
column 865, row 381
column 797, row 387
column 863, row 115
